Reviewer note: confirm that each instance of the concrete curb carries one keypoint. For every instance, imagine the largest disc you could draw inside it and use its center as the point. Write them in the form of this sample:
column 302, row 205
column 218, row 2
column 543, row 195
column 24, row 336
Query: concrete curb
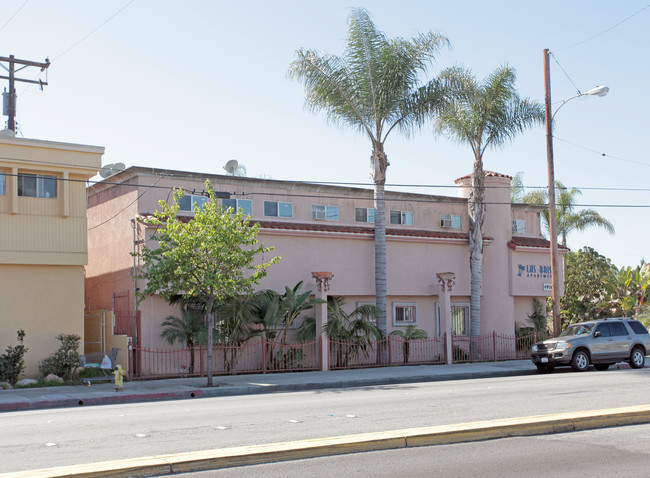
column 274, row 452
column 83, row 399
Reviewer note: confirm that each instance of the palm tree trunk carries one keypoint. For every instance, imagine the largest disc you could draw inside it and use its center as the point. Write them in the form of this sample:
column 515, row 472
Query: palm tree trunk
column 476, row 211
column 379, row 163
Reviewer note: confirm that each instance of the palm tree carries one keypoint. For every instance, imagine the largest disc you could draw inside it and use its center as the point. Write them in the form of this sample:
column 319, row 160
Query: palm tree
column 375, row 88
column 568, row 219
column 411, row 333
column 186, row 330
column 353, row 331
column 482, row 115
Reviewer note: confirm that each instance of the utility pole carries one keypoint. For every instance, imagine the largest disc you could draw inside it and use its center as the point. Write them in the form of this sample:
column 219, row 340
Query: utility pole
column 9, row 97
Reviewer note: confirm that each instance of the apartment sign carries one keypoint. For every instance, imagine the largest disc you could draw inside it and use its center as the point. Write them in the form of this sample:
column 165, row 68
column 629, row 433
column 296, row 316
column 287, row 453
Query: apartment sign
column 536, row 271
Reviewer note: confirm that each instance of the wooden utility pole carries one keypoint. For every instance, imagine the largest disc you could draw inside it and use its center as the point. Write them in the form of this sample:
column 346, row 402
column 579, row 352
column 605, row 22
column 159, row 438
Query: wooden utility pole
column 552, row 215
column 9, row 97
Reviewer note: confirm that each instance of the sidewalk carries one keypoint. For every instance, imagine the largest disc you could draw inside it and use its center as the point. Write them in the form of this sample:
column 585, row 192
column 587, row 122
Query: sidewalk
column 229, row 385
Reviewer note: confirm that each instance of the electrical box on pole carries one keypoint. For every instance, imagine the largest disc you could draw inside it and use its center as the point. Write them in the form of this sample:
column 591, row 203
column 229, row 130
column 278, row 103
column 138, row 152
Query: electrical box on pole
column 9, row 97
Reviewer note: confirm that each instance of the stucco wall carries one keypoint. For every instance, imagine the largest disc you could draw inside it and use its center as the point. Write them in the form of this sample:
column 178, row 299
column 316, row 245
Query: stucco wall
column 44, row 301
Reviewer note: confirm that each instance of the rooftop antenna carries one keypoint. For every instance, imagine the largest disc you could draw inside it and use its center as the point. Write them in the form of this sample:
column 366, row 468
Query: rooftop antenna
column 111, row 169
column 9, row 97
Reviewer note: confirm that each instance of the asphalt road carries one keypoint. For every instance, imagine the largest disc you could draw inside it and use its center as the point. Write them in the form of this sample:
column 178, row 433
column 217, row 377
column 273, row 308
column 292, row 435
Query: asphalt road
column 609, row 452
column 46, row 438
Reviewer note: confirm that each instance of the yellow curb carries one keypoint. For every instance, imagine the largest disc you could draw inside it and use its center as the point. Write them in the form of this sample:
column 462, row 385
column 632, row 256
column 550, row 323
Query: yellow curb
column 409, row 437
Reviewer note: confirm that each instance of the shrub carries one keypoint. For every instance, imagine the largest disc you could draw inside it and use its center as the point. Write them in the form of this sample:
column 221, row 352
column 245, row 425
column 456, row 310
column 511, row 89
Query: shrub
column 12, row 362
column 65, row 360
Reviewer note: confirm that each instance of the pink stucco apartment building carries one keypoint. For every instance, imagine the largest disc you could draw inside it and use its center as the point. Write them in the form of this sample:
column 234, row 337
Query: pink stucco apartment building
column 321, row 227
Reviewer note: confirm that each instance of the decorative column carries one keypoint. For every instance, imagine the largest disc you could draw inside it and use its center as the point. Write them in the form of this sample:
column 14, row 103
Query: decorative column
column 446, row 280
column 323, row 285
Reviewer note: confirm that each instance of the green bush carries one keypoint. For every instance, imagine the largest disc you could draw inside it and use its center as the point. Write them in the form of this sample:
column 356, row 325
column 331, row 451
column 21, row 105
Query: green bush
column 12, row 362
column 65, row 360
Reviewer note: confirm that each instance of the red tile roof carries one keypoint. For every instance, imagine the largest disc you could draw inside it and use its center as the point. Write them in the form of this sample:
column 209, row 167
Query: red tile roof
column 533, row 242
column 488, row 174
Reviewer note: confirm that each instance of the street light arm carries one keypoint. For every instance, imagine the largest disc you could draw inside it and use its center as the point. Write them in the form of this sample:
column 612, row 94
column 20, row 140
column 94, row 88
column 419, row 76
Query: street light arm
column 597, row 91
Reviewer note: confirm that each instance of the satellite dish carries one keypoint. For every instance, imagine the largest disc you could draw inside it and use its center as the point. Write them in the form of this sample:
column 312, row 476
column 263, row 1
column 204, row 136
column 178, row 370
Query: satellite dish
column 111, row 169
column 231, row 166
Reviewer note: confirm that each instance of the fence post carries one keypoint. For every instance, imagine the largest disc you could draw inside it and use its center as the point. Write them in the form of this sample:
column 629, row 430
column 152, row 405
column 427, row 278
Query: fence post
column 263, row 354
column 494, row 344
column 388, row 344
column 131, row 357
column 534, row 336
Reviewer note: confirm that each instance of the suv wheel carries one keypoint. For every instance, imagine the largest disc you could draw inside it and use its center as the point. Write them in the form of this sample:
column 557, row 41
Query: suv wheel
column 637, row 358
column 580, row 361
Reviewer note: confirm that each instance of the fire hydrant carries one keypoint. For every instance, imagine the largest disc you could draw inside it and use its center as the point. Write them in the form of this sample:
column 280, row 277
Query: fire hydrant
column 119, row 380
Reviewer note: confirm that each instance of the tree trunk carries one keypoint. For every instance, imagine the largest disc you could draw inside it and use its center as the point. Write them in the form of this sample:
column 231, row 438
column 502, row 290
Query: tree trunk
column 210, row 312
column 476, row 211
column 378, row 165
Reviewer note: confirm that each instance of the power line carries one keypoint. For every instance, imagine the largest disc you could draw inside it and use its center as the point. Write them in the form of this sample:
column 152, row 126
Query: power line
column 600, row 153
column 606, row 30
column 15, row 13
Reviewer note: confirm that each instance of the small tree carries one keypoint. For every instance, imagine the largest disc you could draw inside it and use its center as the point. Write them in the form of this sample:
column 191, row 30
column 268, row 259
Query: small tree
column 209, row 259
column 411, row 333
column 65, row 360
column 12, row 362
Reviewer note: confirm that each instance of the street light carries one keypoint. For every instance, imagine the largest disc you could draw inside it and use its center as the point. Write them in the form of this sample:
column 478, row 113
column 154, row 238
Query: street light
column 552, row 215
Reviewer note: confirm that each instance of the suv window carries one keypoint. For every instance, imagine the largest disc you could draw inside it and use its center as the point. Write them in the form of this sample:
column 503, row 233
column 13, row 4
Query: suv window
column 637, row 327
column 603, row 329
column 617, row 328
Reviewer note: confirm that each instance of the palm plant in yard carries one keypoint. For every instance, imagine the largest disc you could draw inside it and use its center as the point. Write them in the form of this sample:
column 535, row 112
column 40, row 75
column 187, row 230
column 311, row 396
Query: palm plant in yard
column 374, row 88
column 568, row 219
column 186, row 329
column 235, row 327
column 482, row 115
column 411, row 333
column 352, row 332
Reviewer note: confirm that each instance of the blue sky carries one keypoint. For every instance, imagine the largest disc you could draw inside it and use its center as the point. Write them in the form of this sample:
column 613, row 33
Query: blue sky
column 190, row 85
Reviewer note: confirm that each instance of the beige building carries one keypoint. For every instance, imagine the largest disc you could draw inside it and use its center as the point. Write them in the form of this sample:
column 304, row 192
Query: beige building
column 43, row 241
column 316, row 227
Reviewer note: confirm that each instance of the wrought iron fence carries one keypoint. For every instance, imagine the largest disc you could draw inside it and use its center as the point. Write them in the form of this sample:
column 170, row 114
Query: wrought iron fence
column 263, row 356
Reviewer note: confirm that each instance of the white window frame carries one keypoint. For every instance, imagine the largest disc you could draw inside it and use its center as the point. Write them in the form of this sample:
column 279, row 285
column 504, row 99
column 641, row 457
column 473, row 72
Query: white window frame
column 323, row 212
column 195, row 200
column 368, row 214
column 519, row 226
column 463, row 305
column 40, row 185
column 278, row 211
column 239, row 203
column 451, row 221
column 403, row 215
column 397, row 305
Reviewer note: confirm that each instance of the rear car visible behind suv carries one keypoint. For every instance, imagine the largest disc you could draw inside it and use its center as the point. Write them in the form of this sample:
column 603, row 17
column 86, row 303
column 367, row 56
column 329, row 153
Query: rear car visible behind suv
column 599, row 342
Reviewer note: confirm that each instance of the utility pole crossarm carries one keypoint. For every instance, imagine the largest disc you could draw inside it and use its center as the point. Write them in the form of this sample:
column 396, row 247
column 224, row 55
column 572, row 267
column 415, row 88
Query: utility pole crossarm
column 9, row 97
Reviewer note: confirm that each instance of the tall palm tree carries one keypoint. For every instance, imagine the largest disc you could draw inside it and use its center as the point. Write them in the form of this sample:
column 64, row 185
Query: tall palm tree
column 483, row 114
column 568, row 219
column 375, row 88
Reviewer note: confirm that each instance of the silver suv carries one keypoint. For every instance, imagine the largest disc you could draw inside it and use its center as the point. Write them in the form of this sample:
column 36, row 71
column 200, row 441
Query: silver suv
column 599, row 342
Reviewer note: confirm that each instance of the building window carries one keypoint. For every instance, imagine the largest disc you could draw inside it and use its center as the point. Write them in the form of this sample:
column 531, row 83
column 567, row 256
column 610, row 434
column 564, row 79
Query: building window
column 328, row 213
column 401, row 217
column 364, row 214
column 278, row 209
column 460, row 319
column 36, row 185
column 189, row 202
column 519, row 226
column 245, row 205
column 451, row 221
column 3, row 184
column 405, row 314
